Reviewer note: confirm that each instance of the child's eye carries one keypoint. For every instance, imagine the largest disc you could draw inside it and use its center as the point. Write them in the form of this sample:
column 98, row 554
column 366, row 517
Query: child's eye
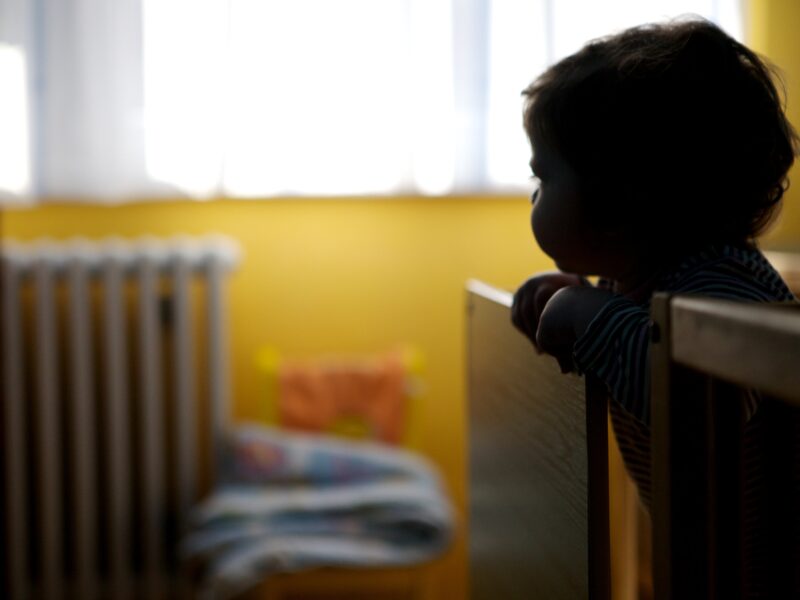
column 537, row 185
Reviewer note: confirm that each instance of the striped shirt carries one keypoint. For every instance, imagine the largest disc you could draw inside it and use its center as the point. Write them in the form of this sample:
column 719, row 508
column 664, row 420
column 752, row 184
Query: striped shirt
column 615, row 347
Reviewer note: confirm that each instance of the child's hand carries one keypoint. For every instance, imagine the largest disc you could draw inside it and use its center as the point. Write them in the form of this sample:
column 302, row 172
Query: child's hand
column 565, row 318
column 532, row 296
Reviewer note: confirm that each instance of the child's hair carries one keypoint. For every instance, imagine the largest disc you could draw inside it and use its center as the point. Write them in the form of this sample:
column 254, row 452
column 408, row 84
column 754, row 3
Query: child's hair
column 676, row 131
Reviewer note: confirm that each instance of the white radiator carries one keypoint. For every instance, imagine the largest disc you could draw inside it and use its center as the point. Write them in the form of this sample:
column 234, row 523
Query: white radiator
column 106, row 405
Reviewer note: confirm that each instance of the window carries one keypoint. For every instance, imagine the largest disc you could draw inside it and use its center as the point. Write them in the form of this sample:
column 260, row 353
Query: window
column 258, row 98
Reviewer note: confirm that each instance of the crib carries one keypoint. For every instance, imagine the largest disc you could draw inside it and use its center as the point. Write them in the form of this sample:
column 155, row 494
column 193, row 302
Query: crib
column 539, row 501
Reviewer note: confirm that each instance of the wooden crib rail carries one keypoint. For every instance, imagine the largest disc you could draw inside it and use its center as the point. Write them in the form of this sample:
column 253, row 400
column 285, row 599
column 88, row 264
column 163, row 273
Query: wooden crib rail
column 705, row 353
column 754, row 345
column 538, row 466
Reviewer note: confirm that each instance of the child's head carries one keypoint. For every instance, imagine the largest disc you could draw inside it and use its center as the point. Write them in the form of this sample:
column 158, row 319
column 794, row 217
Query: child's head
column 674, row 133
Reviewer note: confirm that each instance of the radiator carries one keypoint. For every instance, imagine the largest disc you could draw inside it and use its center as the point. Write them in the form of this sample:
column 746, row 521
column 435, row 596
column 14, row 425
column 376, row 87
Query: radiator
column 112, row 412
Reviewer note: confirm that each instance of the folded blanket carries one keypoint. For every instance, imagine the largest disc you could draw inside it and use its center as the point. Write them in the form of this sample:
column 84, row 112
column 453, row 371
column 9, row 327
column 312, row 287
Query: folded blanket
column 258, row 454
column 296, row 502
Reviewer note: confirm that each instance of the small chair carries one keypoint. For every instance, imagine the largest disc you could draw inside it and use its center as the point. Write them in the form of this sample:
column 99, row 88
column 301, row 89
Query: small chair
column 393, row 583
column 709, row 353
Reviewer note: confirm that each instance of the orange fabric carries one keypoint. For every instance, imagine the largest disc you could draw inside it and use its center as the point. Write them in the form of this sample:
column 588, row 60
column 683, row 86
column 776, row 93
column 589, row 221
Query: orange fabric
column 312, row 396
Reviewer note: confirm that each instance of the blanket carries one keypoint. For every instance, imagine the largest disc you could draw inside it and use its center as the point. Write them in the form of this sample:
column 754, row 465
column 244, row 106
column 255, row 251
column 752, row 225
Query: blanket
column 294, row 502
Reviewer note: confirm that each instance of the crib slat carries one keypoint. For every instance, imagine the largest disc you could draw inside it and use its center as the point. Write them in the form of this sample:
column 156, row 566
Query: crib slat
column 151, row 426
column 82, row 426
column 48, row 436
column 217, row 358
column 14, row 449
column 117, row 439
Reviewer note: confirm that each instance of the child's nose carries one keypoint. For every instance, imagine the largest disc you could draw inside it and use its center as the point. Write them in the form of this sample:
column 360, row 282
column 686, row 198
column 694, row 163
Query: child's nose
column 535, row 196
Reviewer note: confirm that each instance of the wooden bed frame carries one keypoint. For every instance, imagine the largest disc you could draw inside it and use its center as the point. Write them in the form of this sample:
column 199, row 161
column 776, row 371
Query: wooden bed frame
column 704, row 352
column 539, row 504
column 538, row 496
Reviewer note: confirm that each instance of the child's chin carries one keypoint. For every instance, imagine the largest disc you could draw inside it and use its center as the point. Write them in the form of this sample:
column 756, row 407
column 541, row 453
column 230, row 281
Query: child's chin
column 566, row 267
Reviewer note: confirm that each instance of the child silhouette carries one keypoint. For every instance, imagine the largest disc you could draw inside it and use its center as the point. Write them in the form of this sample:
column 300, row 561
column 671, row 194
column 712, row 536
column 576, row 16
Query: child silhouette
column 661, row 154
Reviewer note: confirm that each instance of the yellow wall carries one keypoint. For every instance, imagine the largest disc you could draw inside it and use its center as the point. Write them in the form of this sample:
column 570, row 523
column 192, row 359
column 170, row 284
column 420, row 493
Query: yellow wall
column 345, row 275
column 772, row 30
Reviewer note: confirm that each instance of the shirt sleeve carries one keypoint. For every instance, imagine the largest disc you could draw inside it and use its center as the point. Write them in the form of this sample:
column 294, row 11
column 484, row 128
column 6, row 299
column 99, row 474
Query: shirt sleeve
column 616, row 345
column 616, row 349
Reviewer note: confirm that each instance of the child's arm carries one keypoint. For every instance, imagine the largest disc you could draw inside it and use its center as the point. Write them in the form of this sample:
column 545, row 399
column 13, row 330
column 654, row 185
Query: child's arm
column 566, row 318
column 590, row 330
column 595, row 331
column 532, row 296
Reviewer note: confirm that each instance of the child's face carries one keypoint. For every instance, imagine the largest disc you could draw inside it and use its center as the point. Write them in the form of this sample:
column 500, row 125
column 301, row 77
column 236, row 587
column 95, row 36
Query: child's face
column 561, row 225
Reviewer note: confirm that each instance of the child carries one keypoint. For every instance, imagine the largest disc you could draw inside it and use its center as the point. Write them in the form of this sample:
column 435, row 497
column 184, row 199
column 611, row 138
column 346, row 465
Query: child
column 662, row 154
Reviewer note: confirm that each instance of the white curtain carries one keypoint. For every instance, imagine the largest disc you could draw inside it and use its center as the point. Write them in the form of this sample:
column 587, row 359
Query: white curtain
column 106, row 100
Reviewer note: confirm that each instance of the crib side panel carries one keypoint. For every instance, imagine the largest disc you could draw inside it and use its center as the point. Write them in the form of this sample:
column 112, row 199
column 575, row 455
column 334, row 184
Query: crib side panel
column 529, row 474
